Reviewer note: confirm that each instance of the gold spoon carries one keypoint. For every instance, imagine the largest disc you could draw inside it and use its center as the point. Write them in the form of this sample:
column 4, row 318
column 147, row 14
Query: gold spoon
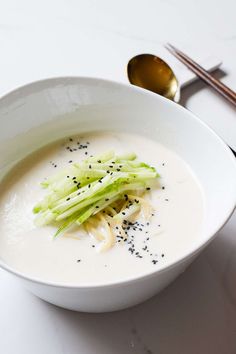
column 152, row 73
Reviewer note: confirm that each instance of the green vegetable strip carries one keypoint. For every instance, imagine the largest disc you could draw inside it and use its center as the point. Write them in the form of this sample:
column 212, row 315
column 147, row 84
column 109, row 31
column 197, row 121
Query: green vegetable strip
column 102, row 196
column 127, row 212
column 83, row 189
column 93, row 210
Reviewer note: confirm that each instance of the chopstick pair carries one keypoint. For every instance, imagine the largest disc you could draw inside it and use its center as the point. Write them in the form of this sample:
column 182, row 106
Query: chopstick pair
column 221, row 88
column 224, row 90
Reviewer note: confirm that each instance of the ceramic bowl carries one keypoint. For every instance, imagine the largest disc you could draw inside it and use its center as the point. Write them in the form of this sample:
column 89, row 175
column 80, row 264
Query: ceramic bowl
column 44, row 111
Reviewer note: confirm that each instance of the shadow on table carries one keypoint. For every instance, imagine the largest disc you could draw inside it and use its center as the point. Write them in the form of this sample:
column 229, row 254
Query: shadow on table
column 197, row 86
column 196, row 314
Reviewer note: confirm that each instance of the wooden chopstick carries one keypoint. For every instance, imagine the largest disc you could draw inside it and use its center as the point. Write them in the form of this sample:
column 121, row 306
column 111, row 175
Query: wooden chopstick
column 224, row 90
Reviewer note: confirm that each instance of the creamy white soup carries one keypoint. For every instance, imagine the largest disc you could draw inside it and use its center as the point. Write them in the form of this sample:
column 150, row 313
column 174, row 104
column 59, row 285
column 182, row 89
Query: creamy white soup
column 75, row 257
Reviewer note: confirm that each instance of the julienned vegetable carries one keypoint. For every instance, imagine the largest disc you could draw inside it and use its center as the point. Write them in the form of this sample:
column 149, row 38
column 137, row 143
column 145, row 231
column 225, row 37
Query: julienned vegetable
column 102, row 191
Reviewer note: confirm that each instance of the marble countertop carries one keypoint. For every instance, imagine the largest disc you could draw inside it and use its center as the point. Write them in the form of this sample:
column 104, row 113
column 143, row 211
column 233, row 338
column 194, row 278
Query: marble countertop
column 197, row 313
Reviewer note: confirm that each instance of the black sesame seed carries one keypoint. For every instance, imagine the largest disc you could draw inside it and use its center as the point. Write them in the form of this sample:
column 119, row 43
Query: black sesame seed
column 99, row 161
column 70, row 161
column 78, row 260
column 106, row 200
column 148, row 188
column 90, row 166
column 118, row 169
column 123, row 213
column 71, row 139
column 163, row 187
column 68, row 199
column 68, row 176
column 97, row 206
column 86, row 152
column 89, row 185
column 73, row 177
column 166, row 200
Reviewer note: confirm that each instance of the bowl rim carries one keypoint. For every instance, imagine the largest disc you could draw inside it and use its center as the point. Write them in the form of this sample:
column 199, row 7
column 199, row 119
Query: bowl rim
column 171, row 264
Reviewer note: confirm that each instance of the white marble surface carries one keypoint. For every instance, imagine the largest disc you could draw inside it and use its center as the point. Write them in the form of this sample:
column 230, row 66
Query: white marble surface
column 38, row 39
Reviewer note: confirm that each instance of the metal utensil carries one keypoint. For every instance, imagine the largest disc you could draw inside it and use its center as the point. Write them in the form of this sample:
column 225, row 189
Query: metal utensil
column 152, row 73
column 221, row 88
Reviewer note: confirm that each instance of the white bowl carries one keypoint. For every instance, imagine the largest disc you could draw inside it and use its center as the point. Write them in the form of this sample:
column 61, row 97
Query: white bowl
column 44, row 111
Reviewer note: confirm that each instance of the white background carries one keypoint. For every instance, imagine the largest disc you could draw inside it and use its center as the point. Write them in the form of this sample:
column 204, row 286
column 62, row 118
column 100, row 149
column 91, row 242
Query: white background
column 39, row 39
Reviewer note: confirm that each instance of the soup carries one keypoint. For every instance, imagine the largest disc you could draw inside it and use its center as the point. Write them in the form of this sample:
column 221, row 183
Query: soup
column 75, row 257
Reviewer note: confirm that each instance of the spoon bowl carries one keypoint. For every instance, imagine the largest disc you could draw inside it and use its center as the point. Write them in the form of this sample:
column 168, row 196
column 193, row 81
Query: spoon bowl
column 152, row 73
